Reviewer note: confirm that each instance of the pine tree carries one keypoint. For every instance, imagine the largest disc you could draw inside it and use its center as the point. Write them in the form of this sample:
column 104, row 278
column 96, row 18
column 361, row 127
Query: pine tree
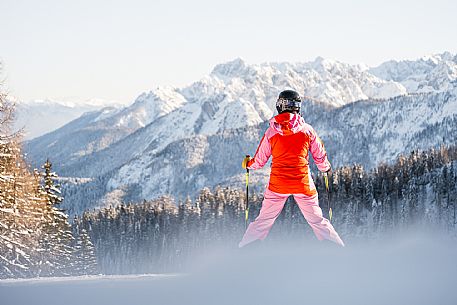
column 52, row 190
column 57, row 239
column 85, row 262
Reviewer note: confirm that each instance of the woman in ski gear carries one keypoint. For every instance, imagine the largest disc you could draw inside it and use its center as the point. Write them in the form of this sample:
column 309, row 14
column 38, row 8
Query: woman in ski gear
column 287, row 141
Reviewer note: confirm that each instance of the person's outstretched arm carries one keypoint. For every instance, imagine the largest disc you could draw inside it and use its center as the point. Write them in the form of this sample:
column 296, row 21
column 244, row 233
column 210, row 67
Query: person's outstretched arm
column 262, row 154
column 318, row 151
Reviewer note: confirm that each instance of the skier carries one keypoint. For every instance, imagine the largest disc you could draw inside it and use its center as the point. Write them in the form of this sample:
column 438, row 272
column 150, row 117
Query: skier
column 288, row 140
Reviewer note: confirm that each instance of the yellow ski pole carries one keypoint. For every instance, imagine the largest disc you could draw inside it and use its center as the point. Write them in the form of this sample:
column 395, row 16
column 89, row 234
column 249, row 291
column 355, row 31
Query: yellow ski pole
column 246, row 211
column 330, row 213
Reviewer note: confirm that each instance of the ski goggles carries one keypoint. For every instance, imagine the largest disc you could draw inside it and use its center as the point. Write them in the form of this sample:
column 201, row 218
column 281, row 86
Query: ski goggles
column 288, row 103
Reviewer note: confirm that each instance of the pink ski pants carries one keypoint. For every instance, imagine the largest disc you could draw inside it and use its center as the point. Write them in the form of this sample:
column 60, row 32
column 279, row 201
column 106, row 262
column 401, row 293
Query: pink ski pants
column 272, row 206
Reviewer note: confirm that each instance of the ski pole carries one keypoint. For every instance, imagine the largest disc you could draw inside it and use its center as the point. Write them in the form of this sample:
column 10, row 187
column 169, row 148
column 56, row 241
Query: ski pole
column 330, row 213
column 246, row 211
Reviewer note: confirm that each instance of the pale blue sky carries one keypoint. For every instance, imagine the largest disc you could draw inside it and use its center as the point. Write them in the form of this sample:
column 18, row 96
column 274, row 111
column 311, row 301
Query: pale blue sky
column 117, row 49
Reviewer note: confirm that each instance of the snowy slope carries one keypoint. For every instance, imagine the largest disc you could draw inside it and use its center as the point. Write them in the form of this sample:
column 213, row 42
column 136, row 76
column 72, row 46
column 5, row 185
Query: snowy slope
column 414, row 269
column 97, row 130
column 366, row 133
column 146, row 108
column 369, row 133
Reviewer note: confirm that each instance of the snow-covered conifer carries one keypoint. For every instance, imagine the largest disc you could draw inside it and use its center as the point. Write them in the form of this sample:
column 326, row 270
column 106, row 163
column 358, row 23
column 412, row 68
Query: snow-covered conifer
column 56, row 239
column 85, row 262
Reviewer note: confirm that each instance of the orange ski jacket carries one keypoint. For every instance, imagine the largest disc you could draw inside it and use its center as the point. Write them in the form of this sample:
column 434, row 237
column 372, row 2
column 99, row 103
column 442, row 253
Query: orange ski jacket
column 288, row 140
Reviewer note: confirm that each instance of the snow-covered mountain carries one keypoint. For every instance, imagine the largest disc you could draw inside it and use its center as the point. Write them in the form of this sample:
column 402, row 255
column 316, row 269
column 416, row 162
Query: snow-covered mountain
column 97, row 130
column 434, row 73
column 367, row 133
column 38, row 117
column 177, row 140
column 234, row 95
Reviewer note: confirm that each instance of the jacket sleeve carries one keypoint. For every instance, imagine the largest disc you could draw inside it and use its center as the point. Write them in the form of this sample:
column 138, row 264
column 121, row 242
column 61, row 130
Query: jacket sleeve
column 262, row 154
column 318, row 151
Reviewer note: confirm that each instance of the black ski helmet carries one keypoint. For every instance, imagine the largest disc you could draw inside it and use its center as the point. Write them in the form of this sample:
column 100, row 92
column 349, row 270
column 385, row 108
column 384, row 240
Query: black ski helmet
column 288, row 101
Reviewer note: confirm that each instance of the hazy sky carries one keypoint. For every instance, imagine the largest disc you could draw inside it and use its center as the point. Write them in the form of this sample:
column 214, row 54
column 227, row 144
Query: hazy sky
column 118, row 49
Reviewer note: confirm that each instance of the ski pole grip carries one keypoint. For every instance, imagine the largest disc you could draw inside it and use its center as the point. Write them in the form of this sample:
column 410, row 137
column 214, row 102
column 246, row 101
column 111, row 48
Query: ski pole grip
column 247, row 157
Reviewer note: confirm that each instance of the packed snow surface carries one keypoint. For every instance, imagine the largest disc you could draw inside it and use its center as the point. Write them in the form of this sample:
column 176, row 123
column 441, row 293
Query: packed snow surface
column 416, row 269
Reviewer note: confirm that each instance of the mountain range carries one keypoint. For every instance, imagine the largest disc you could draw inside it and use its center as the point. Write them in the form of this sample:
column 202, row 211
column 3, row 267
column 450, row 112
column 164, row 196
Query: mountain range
column 38, row 117
column 179, row 140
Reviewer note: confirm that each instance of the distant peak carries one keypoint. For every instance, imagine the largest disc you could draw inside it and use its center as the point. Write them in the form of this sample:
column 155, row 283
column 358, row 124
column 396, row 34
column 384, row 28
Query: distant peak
column 319, row 59
column 237, row 62
column 324, row 62
column 231, row 68
column 155, row 92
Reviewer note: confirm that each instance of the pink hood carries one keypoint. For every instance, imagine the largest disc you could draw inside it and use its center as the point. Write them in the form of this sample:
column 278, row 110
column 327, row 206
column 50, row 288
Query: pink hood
column 287, row 123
